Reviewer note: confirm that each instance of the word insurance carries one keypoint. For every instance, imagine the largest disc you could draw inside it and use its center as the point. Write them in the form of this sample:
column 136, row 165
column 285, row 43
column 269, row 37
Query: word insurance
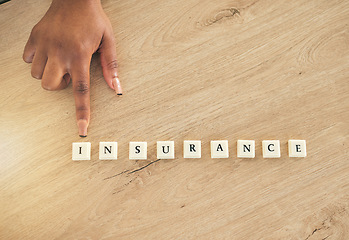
column 191, row 149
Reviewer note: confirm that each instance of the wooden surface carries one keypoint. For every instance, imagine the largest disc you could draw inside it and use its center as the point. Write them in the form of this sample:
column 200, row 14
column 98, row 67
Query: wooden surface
column 191, row 70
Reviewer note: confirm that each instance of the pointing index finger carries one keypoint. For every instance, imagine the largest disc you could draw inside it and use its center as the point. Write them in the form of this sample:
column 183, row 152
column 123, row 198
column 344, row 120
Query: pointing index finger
column 81, row 88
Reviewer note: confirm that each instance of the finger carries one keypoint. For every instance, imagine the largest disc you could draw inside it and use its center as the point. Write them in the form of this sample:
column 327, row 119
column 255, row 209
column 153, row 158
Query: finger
column 109, row 63
column 52, row 78
column 29, row 50
column 81, row 87
column 39, row 63
column 64, row 82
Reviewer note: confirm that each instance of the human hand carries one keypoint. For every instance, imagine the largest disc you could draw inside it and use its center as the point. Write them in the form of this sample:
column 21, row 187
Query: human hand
column 60, row 48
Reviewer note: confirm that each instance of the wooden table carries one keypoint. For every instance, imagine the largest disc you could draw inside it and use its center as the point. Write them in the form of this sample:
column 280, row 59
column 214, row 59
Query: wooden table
column 191, row 70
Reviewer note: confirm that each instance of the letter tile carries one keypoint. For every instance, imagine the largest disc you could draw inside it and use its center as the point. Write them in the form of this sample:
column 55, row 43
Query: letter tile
column 271, row 148
column 165, row 150
column 108, row 150
column 192, row 149
column 81, row 151
column 219, row 149
column 138, row 151
column 297, row 148
column 246, row 148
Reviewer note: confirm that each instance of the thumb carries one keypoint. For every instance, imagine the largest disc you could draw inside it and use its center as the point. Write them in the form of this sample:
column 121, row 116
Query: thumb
column 109, row 63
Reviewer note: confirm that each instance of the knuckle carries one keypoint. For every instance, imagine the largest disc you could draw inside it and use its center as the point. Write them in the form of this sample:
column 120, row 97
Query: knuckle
column 82, row 88
column 47, row 86
column 80, row 53
column 35, row 30
column 27, row 58
column 80, row 47
column 112, row 65
column 36, row 75
column 58, row 44
column 82, row 108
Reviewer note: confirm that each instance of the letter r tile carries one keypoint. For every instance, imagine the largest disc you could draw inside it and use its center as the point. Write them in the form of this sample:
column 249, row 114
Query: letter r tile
column 192, row 149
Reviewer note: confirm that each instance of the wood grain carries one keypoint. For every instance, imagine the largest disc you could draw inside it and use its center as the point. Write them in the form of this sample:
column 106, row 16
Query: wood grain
column 204, row 70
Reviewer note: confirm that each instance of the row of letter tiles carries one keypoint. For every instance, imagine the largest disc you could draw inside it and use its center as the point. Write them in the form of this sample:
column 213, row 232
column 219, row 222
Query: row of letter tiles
column 191, row 149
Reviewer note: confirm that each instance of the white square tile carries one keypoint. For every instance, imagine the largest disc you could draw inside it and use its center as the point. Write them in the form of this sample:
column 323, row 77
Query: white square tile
column 246, row 149
column 165, row 150
column 271, row 148
column 108, row 150
column 138, row 151
column 219, row 149
column 297, row 148
column 81, row 151
column 192, row 149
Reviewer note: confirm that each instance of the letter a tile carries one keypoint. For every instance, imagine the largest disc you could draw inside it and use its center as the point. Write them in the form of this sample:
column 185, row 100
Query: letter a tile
column 219, row 149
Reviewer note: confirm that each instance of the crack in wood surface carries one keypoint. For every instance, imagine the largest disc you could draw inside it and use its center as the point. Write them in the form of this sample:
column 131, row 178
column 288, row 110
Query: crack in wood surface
column 225, row 13
column 116, row 175
column 132, row 171
column 228, row 13
column 320, row 228
column 324, row 223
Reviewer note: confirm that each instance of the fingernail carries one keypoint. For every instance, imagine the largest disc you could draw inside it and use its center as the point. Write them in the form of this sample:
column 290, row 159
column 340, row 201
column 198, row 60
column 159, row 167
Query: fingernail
column 117, row 85
column 82, row 126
